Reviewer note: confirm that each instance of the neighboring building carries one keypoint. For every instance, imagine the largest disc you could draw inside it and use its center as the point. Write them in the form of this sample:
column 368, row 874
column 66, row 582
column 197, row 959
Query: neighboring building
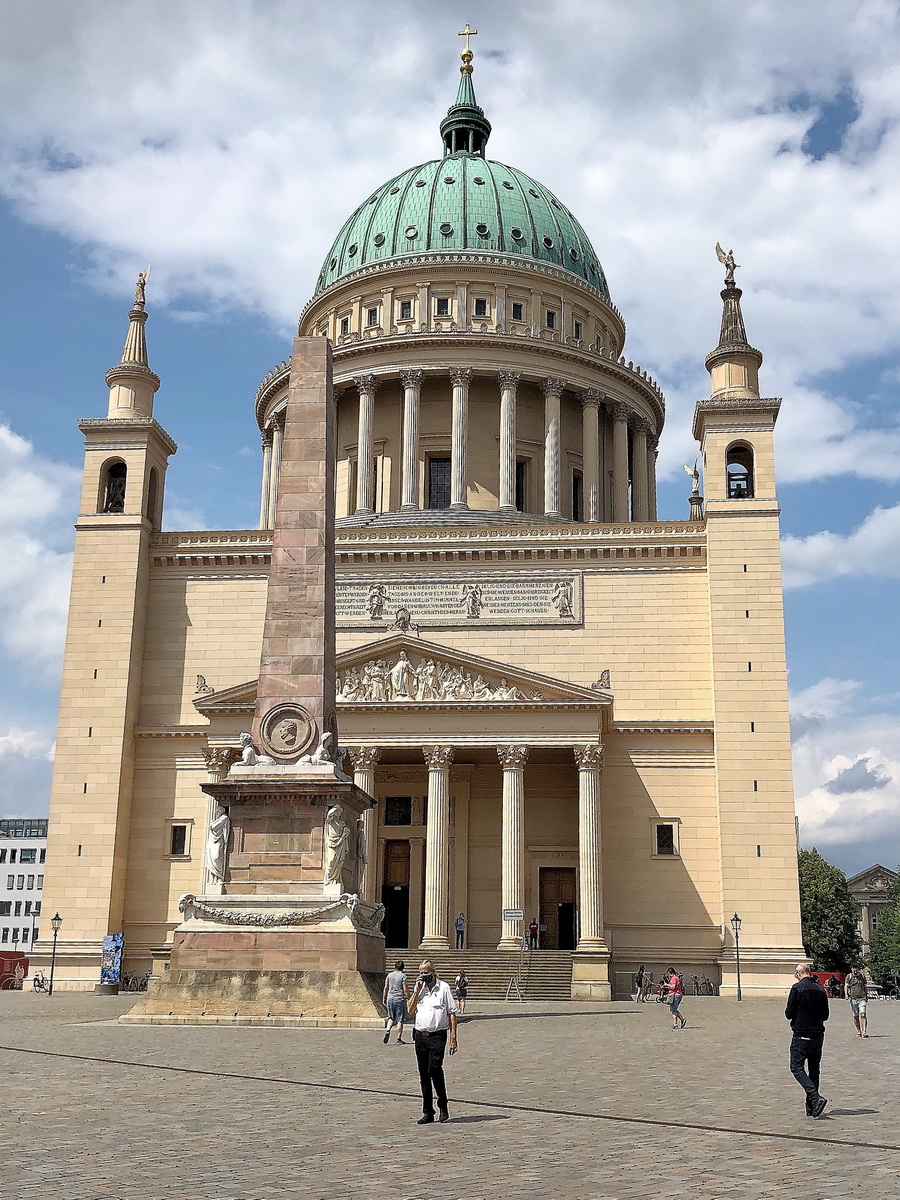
column 23, row 852
column 603, row 694
column 870, row 890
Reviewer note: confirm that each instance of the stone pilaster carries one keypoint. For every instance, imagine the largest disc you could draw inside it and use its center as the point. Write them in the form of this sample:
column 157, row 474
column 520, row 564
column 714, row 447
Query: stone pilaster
column 409, row 483
column 509, row 382
column 461, row 378
column 437, row 848
column 364, row 759
column 553, row 390
column 512, row 871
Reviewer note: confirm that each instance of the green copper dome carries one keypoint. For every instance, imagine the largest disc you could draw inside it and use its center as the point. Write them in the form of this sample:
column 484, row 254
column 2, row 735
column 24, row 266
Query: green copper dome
column 463, row 202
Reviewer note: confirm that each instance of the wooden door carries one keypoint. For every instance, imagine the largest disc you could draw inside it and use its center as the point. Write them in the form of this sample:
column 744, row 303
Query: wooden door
column 395, row 893
column 557, row 908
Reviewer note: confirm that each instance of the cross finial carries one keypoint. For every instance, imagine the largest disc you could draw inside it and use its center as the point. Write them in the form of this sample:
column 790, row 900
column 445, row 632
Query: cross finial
column 467, row 33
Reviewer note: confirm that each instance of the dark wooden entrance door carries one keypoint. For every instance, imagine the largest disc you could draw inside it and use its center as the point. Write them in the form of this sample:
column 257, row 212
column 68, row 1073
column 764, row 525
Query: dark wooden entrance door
column 558, row 908
column 395, row 893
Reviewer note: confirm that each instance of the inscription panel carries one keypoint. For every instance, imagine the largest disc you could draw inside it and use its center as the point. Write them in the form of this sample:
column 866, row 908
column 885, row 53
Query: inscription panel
column 532, row 598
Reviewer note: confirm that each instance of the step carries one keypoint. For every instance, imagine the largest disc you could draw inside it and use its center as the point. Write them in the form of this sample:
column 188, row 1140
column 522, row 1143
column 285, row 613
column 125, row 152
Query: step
column 545, row 974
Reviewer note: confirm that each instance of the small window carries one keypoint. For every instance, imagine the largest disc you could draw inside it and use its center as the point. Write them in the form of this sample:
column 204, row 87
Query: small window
column 478, row 180
column 20, row 882
column 17, row 912
column 577, row 496
column 507, row 184
column 5, row 908
column 345, row 326
column 522, row 485
column 405, row 310
column 353, row 249
column 2, row 856
column 12, row 855
column 576, row 329
column 114, row 492
column 549, row 243
column 481, row 308
column 4, row 937
column 411, row 232
column 10, row 882
column 665, row 838
column 30, row 884
column 379, row 239
column 516, row 234
column 15, row 935
column 28, row 856
column 442, row 306
column 739, row 472
column 398, row 810
column 372, row 316
column 573, row 254
column 40, row 882
column 482, row 230
column 518, row 311
column 37, row 908
column 446, row 228
column 178, row 840
column 438, row 483
column 27, row 908
column 551, row 319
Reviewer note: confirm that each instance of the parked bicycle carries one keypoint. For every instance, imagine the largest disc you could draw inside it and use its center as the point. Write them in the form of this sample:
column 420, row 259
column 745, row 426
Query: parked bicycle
column 134, row 983
column 39, row 982
column 704, row 986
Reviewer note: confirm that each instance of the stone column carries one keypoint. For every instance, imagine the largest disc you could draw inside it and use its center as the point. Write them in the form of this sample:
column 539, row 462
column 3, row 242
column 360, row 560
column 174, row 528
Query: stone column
column 364, row 759
column 619, row 414
column 864, row 927
column 512, row 870
column 367, row 386
column 275, row 464
column 590, row 451
column 266, row 478
column 640, row 498
column 459, row 436
column 590, row 770
column 437, row 860
column 652, row 451
column 509, row 381
column 553, row 390
column 412, row 392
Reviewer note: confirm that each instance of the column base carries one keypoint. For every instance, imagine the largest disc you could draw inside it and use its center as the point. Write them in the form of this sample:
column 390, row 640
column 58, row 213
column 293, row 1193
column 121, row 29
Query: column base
column 459, row 504
column 590, row 974
column 434, row 943
column 510, row 944
column 507, row 508
column 364, row 512
column 409, row 508
column 552, row 512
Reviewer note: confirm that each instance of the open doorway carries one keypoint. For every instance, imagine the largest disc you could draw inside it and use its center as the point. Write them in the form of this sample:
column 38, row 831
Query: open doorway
column 558, row 908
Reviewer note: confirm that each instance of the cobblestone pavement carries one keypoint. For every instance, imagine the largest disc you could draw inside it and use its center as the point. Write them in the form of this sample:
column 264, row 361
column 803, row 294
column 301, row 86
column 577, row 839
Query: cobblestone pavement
column 599, row 1102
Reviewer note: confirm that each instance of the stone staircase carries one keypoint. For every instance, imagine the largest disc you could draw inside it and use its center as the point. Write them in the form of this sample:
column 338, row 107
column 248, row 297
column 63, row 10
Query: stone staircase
column 546, row 974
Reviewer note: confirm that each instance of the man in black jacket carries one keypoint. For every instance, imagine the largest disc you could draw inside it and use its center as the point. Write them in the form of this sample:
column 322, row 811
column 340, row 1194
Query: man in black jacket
column 807, row 1011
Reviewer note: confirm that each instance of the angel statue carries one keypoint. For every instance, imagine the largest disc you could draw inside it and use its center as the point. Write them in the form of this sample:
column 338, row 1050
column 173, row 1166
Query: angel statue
column 730, row 265
column 695, row 477
column 140, row 286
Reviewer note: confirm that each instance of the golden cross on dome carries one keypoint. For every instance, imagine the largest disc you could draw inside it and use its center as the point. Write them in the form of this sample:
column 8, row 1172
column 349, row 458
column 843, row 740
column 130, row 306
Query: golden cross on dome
column 467, row 33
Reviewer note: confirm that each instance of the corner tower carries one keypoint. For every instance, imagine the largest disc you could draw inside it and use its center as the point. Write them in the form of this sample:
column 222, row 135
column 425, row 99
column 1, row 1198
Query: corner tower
column 754, row 783
column 126, row 454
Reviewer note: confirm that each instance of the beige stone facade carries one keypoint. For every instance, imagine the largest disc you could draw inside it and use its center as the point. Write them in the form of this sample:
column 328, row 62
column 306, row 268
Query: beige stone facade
column 562, row 705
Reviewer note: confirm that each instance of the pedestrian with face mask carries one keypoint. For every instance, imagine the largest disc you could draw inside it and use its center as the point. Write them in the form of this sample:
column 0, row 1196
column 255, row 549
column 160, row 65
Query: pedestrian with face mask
column 434, row 1009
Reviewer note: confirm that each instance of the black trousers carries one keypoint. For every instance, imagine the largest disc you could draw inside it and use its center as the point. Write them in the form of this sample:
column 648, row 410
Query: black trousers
column 807, row 1051
column 430, row 1049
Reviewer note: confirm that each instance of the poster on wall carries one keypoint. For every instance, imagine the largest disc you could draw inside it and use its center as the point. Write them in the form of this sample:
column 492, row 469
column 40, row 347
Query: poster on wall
column 111, row 959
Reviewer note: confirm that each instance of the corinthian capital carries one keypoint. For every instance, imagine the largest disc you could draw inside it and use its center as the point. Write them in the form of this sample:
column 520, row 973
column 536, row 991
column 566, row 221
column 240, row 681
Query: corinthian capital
column 553, row 386
column 219, row 760
column 512, row 756
column 438, row 756
column 461, row 376
column 412, row 379
column 509, row 379
column 589, row 758
column 618, row 411
column 364, row 758
column 642, row 426
column 367, row 384
column 590, row 399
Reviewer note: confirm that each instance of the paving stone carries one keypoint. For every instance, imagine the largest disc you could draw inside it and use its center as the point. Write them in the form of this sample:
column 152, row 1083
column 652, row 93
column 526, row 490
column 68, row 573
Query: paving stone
column 551, row 1100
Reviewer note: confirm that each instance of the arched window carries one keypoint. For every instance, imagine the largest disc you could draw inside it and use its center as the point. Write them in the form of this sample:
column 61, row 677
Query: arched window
column 153, row 513
column 113, row 494
column 739, row 471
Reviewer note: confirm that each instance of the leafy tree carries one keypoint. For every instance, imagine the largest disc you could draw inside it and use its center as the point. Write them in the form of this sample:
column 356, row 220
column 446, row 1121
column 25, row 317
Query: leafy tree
column 828, row 913
column 884, row 943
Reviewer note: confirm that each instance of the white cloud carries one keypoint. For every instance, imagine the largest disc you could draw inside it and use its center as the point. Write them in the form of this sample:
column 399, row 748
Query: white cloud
column 36, row 496
column 229, row 155
column 873, row 548
column 25, row 743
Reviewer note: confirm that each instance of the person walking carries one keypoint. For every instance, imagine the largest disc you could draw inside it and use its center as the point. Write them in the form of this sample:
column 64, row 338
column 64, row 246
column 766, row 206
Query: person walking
column 676, row 995
column 639, row 985
column 807, row 1011
column 460, row 931
column 394, row 998
column 533, row 930
column 461, row 990
column 856, row 989
column 434, row 1009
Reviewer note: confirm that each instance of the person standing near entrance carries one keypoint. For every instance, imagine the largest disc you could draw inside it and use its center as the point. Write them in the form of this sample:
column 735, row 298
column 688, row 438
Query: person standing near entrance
column 856, row 989
column 639, row 985
column 460, row 931
column 807, row 1011
column 434, row 1009
column 533, row 930
column 394, row 998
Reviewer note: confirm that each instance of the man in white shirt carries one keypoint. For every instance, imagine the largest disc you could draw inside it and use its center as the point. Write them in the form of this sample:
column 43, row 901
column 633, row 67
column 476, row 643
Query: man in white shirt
column 435, row 1013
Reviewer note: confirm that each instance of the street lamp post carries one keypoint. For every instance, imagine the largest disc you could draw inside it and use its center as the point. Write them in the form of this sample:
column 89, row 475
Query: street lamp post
column 56, row 921
column 736, row 926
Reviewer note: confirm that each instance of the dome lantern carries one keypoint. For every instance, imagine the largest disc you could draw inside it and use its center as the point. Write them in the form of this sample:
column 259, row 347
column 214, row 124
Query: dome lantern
column 465, row 129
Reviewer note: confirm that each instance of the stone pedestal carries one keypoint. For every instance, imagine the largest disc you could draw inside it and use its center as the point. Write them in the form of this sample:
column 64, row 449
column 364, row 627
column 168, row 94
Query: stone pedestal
column 590, row 975
column 288, row 940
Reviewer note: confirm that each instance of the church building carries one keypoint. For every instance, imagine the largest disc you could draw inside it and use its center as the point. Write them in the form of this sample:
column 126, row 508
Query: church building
column 566, row 709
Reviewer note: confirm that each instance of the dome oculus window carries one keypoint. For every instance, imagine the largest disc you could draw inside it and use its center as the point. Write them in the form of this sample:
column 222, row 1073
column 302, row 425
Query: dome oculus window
column 412, row 232
column 446, row 228
column 394, row 191
column 379, row 239
column 573, row 254
column 482, row 230
column 532, row 192
column 420, row 183
column 449, row 179
column 478, row 180
column 353, row 249
column 507, row 184
column 548, row 242
column 516, row 234
column 333, row 263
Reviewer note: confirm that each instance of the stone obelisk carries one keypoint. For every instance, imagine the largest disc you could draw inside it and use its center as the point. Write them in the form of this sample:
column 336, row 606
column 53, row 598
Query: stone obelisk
column 280, row 935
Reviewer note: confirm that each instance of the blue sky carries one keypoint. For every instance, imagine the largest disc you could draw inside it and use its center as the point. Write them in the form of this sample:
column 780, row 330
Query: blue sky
column 225, row 148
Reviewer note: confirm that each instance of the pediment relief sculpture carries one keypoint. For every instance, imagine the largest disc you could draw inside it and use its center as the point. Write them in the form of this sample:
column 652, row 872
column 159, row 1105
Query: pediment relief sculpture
column 406, row 679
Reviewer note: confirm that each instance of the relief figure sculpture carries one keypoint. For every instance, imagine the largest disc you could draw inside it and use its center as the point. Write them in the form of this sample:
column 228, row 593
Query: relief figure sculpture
column 337, row 843
column 217, row 844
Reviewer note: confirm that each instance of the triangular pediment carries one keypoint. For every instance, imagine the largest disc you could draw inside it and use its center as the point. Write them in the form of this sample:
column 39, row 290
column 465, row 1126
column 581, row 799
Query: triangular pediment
column 875, row 878
column 239, row 698
column 404, row 669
